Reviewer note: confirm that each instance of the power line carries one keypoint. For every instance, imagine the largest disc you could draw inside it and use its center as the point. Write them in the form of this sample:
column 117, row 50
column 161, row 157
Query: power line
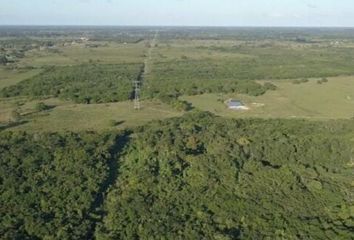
column 137, row 95
column 145, row 70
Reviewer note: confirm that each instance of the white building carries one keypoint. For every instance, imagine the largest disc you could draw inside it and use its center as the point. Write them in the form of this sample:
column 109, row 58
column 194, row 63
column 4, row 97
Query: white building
column 236, row 105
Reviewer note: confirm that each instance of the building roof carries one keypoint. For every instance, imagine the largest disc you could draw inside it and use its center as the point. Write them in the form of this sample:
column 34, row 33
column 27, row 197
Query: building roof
column 235, row 103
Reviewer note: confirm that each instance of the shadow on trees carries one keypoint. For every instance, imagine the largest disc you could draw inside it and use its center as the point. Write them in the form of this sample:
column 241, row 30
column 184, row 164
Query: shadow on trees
column 44, row 112
column 12, row 125
column 96, row 212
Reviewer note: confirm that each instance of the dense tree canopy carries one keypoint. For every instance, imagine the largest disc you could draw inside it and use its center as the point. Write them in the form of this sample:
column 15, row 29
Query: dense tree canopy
column 196, row 77
column 195, row 177
column 112, row 83
column 202, row 177
column 49, row 183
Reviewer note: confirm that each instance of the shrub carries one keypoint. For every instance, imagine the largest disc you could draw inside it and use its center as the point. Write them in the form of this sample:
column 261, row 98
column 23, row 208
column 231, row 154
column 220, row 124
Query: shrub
column 323, row 80
column 182, row 105
column 113, row 123
column 269, row 86
column 41, row 107
column 299, row 81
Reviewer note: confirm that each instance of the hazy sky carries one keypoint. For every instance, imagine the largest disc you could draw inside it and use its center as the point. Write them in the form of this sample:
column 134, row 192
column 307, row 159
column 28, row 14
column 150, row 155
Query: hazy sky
column 179, row 12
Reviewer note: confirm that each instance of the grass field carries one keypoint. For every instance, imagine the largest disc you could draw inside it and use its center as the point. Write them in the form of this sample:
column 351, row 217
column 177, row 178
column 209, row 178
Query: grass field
column 11, row 77
column 184, row 64
column 109, row 53
column 66, row 116
column 332, row 100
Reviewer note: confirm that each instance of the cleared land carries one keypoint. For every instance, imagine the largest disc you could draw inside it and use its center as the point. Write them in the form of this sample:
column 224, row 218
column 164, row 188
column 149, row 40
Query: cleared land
column 216, row 66
column 331, row 100
column 11, row 77
column 66, row 116
column 105, row 53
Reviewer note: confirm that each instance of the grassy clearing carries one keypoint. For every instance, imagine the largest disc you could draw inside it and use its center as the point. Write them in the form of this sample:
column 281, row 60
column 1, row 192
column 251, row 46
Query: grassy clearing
column 332, row 100
column 12, row 77
column 190, row 66
column 111, row 53
column 77, row 117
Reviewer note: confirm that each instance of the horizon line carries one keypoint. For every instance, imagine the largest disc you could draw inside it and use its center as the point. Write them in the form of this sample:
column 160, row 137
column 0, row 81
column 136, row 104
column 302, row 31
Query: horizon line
column 196, row 26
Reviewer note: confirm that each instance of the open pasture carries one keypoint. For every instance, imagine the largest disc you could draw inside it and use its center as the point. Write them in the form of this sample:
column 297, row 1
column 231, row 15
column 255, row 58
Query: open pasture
column 331, row 100
column 104, row 53
column 10, row 77
column 66, row 116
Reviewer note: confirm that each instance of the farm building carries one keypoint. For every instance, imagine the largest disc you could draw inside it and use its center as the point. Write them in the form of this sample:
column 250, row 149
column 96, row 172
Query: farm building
column 236, row 105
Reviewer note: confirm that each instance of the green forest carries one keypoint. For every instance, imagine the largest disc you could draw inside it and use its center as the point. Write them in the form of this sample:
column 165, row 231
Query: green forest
column 81, row 84
column 50, row 183
column 194, row 177
column 101, row 83
column 112, row 83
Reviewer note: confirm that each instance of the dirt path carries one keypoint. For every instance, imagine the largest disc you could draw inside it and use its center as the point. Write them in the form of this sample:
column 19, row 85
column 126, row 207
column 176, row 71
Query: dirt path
column 147, row 61
column 141, row 80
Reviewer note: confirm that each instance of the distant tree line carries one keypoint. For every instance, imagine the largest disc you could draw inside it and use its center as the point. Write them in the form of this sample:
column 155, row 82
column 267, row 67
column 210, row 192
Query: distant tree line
column 98, row 83
column 81, row 84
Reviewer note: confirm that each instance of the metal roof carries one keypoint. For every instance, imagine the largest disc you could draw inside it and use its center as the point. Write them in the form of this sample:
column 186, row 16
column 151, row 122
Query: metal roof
column 235, row 103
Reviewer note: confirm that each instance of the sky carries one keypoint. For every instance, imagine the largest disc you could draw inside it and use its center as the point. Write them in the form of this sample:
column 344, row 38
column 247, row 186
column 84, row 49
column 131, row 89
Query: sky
column 179, row 12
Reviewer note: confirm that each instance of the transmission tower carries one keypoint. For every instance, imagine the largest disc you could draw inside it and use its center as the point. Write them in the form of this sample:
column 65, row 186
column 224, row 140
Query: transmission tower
column 136, row 94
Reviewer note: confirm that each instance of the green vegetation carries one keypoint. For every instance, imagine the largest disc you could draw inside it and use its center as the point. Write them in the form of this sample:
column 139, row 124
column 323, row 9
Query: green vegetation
column 299, row 81
column 81, row 84
column 66, row 116
column 10, row 77
column 270, row 86
column 79, row 53
column 333, row 100
column 231, row 64
column 50, row 184
column 41, row 106
column 77, row 161
column 202, row 177
column 323, row 80
column 3, row 60
column 192, row 78
column 15, row 116
column 278, row 61
column 198, row 176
